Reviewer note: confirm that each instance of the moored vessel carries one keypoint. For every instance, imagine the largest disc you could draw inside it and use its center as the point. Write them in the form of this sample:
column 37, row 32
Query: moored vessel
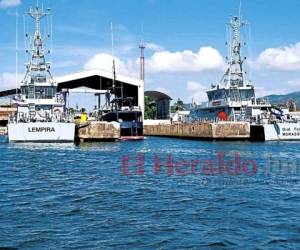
column 277, row 124
column 40, row 115
column 129, row 117
column 121, row 109
column 233, row 98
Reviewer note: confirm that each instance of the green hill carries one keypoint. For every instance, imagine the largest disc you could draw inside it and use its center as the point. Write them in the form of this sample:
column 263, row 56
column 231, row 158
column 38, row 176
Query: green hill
column 283, row 99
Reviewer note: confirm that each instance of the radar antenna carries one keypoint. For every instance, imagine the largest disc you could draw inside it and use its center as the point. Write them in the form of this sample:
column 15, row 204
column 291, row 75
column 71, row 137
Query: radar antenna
column 37, row 70
column 142, row 47
column 235, row 75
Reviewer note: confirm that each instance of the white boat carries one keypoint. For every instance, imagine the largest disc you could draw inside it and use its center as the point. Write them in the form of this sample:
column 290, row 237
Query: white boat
column 275, row 131
column 276, row 126
column 41, row 132
column 40, row 115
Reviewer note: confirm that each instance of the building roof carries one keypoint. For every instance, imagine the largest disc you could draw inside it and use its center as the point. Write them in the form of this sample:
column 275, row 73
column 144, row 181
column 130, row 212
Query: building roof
column 102, row 80
column 9, row 92
column 156, row 95
column 94, row 79
column 74, row 79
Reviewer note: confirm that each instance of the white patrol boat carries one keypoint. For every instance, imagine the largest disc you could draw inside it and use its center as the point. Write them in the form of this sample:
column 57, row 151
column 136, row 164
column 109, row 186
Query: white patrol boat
column 276, row 124
column 40, row 115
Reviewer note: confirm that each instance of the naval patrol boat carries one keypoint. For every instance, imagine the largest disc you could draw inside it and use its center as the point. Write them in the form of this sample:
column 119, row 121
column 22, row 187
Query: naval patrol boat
column 40, row 115
column 233, row 99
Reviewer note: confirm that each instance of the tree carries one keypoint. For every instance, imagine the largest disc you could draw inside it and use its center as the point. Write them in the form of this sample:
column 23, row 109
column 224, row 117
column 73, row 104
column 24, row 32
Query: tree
column 178, row 106
column 150, row 108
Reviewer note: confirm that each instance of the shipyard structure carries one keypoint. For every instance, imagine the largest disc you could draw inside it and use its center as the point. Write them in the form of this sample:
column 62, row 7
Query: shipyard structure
column 40, row 108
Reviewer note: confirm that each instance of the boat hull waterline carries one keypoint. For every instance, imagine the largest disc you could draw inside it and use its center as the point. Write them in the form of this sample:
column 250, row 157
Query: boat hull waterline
column 276, row 131
column 41, row 132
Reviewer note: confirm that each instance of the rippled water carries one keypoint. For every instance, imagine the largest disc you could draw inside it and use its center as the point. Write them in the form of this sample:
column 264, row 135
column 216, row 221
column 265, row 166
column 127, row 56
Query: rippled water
column 56, row 196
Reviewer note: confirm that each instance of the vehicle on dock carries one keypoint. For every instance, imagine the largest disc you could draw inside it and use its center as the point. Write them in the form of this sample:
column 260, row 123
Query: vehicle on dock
column 40, row 115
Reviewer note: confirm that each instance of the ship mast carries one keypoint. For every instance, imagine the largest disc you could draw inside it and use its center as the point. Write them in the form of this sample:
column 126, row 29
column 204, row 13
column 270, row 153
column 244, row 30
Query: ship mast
column 142, row 61
column 234, row 77
column 38, row 70
column 142, row 48
column 114, row 61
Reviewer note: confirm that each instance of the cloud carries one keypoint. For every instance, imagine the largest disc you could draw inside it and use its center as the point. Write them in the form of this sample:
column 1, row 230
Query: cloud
column 9, row 3
column 262, row 92
column 294, row 83
column 206, row 59
column 105, row 62
column 291, row 86
column 163, row 90
column 282, row 59
column 197, row 91
column 126, row 48
column 153, row 47
column 8, row 80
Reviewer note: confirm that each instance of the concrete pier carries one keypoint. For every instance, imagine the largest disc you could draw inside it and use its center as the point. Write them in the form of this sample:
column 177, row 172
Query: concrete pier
column 3, row 130
column 208, row 131
column 4, row 114
column 97, row 131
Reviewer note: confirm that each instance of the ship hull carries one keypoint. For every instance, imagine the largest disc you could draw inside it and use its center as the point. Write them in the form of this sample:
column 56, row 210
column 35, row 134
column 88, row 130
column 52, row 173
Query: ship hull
column 131, row 129
column 41, row 132
column 276, row 131
column 131, row 124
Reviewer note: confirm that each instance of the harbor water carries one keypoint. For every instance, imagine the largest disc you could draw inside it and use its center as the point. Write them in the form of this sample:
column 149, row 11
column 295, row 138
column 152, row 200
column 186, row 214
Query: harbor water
column 159, row 193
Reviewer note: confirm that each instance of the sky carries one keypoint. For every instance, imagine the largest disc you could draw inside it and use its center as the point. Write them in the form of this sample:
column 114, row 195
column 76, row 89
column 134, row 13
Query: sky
column 185, row 41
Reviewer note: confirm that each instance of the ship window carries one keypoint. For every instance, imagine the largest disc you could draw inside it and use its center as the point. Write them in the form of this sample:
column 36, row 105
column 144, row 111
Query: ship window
column 247, row 94
column 209, row 95
column 43, row 107
column 45, row 92
column 24, row 91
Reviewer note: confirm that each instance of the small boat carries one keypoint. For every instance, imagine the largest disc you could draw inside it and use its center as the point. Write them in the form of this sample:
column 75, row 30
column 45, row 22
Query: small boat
column 122, row 110
column 129, row 117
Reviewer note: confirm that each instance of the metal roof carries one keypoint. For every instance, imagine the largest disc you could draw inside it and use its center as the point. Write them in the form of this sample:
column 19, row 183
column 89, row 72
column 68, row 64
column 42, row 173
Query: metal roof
column 103, row 80
column 9, row 92
column 96, row 73
column 156, row 95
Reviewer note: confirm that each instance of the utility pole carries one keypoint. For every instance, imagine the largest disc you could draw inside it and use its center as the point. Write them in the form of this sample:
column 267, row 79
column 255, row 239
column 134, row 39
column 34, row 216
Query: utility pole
column 142, row 62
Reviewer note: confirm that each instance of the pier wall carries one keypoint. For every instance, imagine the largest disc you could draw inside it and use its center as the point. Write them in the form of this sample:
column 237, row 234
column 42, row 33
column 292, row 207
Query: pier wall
column 98, row 131
column 3, row 131
column 4, row 114
column 209, row 131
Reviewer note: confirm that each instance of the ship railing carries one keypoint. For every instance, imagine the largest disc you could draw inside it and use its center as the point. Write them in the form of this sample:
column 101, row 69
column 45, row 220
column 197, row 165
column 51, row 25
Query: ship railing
column 212, row 120
column 23, row 118
column 213, row 103
column 218, row 120
column 260, row 101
